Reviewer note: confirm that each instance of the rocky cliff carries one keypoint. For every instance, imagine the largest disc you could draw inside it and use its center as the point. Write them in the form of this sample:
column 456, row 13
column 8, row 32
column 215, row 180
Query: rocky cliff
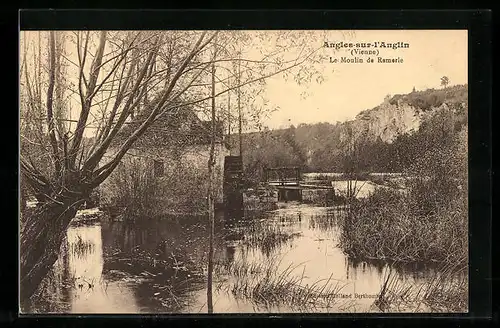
column 404, row 114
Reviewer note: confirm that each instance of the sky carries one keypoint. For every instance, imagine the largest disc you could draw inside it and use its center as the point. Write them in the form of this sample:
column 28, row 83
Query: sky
column 350, row 88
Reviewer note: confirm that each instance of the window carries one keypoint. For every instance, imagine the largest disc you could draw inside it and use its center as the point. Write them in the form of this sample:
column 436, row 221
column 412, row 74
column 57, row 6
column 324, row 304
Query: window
column 158, row 168
column 184, row 127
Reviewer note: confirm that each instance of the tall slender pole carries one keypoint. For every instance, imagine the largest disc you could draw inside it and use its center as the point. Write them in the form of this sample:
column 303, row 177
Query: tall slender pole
column 211, row 194
column 239, row 105
column 229, row 115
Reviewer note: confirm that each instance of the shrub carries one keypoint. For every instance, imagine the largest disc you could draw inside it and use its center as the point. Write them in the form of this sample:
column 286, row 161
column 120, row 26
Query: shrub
column 134, row 189
column 426, row 223
column 433, row 98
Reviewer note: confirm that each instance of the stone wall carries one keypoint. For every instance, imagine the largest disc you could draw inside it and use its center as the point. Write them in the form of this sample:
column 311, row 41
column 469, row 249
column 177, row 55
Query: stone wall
column 181, row 189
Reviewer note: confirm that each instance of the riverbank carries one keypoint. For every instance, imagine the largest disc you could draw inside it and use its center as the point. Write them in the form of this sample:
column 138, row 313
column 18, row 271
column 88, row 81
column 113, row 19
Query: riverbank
column 402, row 228
column 289, row 256
column 88, row 216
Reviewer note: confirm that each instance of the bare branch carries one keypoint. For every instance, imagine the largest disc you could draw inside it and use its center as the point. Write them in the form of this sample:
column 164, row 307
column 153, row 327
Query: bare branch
column 295, row 64
column 106, row 170
column 86, row 105
column 94, row 159
column 50, row 95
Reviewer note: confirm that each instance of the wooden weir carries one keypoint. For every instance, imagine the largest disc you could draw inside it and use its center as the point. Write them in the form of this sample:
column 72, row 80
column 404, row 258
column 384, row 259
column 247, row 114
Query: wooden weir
column 288, row 181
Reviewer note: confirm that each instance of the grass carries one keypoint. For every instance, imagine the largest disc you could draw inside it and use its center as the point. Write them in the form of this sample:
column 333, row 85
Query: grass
column 138, row 194
column 267, row 285
column 446, row 291
column 386, row 227
column 319, row 197
column 426, row 223
column 323, row 223
column 266, row 237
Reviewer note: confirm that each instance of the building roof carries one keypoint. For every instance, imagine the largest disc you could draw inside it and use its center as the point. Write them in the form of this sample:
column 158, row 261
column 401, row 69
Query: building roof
column 180, row 129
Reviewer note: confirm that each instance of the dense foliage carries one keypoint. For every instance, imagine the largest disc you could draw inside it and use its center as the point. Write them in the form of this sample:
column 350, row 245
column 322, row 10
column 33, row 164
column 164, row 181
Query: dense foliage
column 427, row 99
column 425, row 223
column 319, row 147
column 137, row 193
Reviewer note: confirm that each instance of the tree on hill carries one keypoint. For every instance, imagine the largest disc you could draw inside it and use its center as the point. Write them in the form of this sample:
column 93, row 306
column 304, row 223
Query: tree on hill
column 445, row 81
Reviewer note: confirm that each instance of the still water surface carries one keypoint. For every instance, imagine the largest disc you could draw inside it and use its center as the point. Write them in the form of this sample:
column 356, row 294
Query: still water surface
column 159, row 266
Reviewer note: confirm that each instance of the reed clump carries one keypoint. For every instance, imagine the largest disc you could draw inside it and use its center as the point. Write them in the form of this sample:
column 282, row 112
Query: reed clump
column 267, row 284
column 264, row 236
column 446, row 291
column 428, row 222
column 270, row 235
column 386, row 227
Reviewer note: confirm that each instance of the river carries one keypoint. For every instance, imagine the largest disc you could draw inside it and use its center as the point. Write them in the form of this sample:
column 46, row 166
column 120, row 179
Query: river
column 159, row 266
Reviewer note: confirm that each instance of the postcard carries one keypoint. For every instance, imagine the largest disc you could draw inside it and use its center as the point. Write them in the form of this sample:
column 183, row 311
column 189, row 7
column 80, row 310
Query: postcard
column 243, row 171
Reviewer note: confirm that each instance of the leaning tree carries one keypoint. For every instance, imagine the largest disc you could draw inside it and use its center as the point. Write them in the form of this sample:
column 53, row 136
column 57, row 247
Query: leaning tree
column 79, row 89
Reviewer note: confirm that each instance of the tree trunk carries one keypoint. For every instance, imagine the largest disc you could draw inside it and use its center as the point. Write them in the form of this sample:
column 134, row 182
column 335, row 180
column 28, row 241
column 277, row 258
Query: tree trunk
column 211, row 216
column 41, row 236
column 211, row 207
column 22, row 197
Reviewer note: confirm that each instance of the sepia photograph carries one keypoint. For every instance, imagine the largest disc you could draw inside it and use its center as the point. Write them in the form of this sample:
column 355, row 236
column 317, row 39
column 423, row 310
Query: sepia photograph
column 243, row 171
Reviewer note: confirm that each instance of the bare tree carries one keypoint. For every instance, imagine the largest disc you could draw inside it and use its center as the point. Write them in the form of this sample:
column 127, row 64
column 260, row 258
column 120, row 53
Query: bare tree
column 112, row 76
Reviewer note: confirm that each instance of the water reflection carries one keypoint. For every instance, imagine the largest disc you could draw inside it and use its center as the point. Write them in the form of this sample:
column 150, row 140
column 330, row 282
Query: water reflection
column 159, row 266
column 76, row 283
